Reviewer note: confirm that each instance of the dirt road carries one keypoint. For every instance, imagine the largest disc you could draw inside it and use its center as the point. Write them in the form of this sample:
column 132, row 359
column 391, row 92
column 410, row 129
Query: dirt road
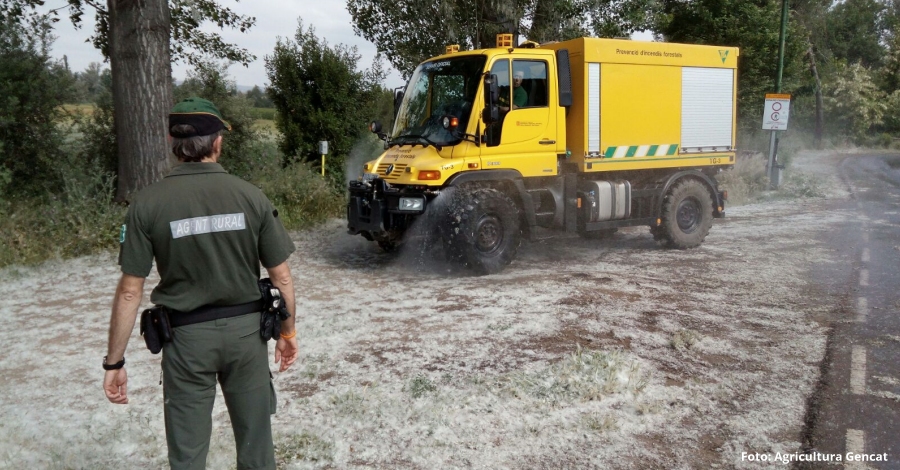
column 582, row 354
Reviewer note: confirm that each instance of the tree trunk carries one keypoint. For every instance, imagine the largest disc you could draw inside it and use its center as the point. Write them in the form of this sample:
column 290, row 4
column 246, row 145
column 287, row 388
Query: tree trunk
column 142, row 90
column 820, row 116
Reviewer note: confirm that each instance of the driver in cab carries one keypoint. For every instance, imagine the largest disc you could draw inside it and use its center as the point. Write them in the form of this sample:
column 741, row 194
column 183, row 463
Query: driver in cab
column 519, row 95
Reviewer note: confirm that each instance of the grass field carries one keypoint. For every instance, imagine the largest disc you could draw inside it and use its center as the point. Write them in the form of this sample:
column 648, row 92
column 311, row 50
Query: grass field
column 263, row 118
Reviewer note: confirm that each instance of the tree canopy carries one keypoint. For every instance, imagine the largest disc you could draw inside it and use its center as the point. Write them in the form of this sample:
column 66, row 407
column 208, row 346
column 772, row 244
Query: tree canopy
column 188, row 42
column 320, row 94
column 409, row 31
column 32, row 87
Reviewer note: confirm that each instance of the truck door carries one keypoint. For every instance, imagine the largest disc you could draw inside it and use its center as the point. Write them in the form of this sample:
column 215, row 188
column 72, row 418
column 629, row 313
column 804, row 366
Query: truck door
column 525, row 137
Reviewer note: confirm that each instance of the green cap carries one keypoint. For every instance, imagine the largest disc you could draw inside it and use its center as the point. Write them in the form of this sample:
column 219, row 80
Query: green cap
column 200, row 114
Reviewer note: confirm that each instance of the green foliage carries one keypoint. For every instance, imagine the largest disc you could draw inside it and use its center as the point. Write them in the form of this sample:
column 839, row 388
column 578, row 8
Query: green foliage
column 854, row 32
column 259, row 98
column 420, row 386
column 190, row 39
column 854, row 103
column 746, row 180
column 31, row 89
column 303, row 198
column 320, row 95
column 752, row 26
column 82, row 219
column 412, row 31
column 98, row 149
column 209, row 80
column 263, row 113
column 892, row 113
column 90, row 84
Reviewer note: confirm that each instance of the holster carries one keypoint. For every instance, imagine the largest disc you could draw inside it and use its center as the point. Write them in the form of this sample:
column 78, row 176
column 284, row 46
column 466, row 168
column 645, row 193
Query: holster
column 156, row 328
column 274, row 310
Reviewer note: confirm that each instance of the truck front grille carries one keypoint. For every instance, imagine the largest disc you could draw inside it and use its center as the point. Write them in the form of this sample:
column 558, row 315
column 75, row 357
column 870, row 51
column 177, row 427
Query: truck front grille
column 396, row 170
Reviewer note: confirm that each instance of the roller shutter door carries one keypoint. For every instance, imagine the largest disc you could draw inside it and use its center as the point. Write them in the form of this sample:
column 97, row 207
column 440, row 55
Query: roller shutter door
column 707, row 109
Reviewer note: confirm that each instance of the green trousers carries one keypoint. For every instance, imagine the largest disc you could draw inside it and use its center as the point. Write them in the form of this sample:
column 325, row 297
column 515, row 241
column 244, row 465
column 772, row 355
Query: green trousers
column 230, row 351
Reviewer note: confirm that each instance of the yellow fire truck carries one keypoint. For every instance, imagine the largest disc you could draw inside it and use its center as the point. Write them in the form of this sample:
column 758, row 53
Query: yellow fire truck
column 582, row 136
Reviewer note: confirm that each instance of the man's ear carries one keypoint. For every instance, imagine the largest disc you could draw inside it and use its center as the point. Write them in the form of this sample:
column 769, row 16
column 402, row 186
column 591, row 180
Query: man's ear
column 217, row 145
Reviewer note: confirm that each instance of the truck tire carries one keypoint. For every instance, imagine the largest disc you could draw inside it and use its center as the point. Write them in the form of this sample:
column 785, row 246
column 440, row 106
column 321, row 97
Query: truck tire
column 482, row 230
column 686, row 215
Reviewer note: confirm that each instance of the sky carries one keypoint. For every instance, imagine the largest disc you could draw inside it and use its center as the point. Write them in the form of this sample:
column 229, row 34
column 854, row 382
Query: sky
column 274, row 19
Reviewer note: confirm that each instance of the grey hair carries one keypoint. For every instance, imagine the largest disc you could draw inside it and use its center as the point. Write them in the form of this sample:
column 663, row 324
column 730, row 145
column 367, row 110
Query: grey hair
column 192, row 149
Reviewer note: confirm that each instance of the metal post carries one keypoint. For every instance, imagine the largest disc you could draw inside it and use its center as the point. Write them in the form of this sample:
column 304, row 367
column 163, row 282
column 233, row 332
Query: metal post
column 773, row 166
column 323, row 164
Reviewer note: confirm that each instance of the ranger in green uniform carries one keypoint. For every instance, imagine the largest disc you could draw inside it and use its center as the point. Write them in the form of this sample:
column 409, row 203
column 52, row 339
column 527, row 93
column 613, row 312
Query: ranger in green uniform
column 209, row 232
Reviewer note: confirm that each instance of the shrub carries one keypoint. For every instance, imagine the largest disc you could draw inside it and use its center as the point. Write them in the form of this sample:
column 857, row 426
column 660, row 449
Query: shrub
column 209, row 80
column 81, row 221
column 32, row 88
column 302, row 197
column 746, row 180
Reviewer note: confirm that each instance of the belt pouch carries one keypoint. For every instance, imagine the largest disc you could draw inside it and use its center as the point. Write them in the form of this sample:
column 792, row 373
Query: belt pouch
column 155, row 328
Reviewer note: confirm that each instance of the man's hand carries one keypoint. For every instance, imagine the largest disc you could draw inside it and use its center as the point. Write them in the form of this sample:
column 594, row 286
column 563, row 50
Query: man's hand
column 115, row 384
column 286, row 352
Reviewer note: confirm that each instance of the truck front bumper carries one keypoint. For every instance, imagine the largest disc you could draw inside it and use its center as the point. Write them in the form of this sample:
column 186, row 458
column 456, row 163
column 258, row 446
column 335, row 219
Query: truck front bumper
column 376, row 209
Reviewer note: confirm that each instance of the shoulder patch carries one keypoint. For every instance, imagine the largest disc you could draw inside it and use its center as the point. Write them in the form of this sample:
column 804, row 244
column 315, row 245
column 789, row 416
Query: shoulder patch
column 122, row 234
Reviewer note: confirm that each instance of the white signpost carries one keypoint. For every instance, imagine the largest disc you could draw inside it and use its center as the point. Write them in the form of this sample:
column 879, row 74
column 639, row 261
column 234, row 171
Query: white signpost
column 775, row 116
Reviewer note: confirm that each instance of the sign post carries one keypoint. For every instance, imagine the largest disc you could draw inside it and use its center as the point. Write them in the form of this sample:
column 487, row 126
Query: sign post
column 323, row 149
column 775, row 118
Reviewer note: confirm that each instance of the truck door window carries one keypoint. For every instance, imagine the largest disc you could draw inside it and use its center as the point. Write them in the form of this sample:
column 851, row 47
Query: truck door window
column 531, row 89
column 493, row 131
column 501, row 70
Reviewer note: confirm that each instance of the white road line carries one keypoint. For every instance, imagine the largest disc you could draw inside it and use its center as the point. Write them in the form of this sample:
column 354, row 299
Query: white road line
column 865, row 255
column 862, row 309
column 858, row 370
column 856, row 443
column 863, row 277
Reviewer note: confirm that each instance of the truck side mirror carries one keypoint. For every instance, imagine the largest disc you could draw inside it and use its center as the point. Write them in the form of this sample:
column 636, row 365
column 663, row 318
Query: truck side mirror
column 491, row 112
column 375, row 128
column 398, row 100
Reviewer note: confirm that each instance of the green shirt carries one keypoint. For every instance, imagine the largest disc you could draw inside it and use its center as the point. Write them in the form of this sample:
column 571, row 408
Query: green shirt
column 208, row 231
column 520, row 97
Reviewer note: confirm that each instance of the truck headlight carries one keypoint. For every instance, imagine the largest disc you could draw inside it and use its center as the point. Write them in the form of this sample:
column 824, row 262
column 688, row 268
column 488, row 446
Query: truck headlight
column 411, row 204
column 369, row 176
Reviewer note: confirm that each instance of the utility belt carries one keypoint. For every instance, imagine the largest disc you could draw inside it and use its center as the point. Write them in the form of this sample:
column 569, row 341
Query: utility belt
column 158, row 323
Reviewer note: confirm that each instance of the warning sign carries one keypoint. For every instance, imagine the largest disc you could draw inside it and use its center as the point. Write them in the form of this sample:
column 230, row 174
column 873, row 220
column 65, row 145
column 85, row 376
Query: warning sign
column 775, row 115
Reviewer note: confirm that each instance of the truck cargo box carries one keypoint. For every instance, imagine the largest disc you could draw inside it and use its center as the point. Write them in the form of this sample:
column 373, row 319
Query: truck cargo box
column 641, row 105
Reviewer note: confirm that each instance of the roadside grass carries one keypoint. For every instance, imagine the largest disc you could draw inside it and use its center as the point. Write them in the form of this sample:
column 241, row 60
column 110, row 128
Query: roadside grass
column 684, row 339
column 584, row 375
column 607, row 388
column 82, row 217
column 82, row 220
column 748, row 182
column 79, row 109
column 264, row 125
column 305, row 447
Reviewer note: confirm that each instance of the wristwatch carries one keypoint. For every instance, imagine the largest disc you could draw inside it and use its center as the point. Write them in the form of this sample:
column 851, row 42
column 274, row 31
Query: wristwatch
column 115, row 366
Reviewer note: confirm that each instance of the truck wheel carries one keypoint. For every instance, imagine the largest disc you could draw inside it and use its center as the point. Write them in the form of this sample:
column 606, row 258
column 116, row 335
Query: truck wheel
column 388, row 246
column 483, row 230
column 686, row 215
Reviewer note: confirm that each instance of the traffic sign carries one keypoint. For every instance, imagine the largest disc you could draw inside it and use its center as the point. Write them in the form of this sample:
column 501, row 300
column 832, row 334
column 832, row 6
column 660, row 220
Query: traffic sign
column 776, row 113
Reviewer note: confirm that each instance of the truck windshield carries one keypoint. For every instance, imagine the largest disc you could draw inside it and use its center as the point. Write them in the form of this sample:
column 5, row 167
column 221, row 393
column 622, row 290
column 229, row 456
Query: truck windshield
column 439, row 88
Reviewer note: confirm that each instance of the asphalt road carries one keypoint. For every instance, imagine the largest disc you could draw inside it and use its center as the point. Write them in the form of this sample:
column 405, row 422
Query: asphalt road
column 856, row 407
